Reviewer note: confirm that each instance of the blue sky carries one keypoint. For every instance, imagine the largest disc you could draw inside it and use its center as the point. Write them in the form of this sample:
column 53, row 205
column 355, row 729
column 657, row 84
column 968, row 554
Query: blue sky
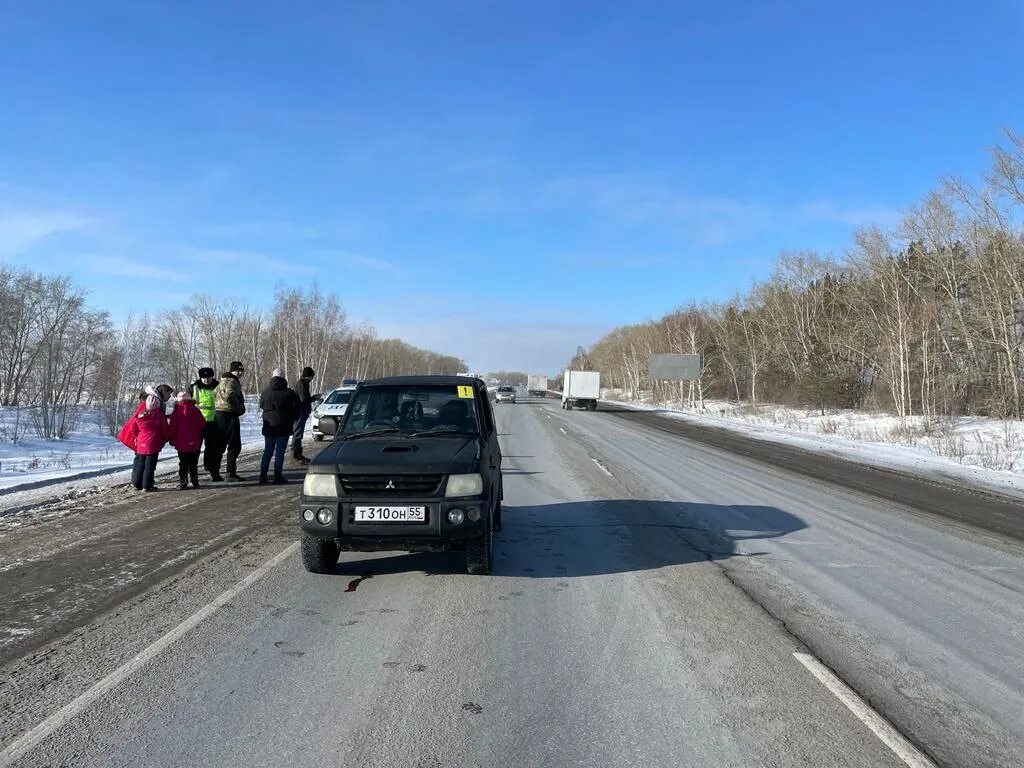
column 496, row 180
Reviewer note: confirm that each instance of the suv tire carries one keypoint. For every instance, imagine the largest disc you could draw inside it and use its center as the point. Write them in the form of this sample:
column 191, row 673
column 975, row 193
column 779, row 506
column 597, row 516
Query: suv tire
column 480, row 553
column 319, row 555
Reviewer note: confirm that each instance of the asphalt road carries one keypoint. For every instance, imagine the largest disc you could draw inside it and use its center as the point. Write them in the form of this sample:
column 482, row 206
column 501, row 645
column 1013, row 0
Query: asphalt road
column 650, row 593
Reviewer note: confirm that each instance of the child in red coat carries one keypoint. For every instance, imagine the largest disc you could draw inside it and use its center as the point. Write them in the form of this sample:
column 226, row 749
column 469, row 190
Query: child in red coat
column 187, row 425
column 145, row 432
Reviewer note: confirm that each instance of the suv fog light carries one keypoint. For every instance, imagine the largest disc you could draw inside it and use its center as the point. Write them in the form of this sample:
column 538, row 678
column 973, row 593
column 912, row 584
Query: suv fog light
column 456, row 516
column 473, row 514
column 324, row 516
column 308, row 515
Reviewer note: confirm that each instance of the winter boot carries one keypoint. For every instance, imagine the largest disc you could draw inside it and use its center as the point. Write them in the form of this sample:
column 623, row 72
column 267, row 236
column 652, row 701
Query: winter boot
column 193, row 473
column 263, row 478
column 182, row 480
column 280, row 479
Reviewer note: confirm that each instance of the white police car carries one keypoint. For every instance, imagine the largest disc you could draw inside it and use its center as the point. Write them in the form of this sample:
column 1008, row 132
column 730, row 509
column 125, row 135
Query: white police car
column 334, row 406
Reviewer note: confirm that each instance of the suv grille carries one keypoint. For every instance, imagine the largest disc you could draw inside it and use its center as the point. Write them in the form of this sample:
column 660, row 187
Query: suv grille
column 391, row 485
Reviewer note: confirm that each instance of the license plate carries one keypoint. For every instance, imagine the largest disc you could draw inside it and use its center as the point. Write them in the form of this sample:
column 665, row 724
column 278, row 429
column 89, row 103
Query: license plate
column 391, row 514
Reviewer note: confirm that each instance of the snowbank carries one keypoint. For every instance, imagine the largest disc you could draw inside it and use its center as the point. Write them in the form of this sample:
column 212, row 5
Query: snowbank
column 985, row 452
column 88, row 450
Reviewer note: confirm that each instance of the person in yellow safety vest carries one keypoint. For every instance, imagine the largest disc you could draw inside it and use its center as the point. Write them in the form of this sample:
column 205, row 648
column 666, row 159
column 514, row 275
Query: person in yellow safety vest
column 204, row 394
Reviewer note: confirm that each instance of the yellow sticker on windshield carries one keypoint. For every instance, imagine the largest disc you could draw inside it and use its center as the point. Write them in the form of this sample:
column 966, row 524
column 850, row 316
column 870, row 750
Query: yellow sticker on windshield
column 466, row 392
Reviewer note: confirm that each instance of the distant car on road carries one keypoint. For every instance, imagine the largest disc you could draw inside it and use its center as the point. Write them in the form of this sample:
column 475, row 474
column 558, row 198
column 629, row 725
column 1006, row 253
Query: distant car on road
column 505, row 395
column 332, row 407
column 415, row 466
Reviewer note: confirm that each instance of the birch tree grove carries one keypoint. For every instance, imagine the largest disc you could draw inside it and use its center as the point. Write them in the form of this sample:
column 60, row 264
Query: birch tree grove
column 926, row 319
column 57, row 355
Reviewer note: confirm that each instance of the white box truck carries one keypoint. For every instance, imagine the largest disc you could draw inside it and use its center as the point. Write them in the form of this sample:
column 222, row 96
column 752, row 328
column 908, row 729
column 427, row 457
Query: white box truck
column 581, row 389
column 537, row 386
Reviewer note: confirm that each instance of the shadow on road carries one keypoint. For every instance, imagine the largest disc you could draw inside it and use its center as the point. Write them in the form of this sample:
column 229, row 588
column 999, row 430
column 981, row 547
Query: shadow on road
column 592, row 538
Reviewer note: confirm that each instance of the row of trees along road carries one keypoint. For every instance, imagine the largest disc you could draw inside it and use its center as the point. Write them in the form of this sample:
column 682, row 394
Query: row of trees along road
column 58, row 355
column 925, row 319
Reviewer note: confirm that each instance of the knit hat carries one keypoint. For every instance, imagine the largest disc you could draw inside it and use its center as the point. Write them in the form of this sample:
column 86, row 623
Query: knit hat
column 207, row 373
column 184, row 395
column 278, row 372
column 236, row 366
column 152, row 403
column 308, row 373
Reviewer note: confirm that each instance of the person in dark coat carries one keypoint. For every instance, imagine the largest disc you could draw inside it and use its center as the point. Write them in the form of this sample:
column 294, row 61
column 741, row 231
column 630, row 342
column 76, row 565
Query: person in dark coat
column 306, row 399
column 230, row 407
column 281, row 407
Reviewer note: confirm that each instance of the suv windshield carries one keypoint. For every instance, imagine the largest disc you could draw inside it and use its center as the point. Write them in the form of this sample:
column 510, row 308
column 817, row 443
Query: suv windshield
column 416, row 408
column 338, row 397
column 505, row 389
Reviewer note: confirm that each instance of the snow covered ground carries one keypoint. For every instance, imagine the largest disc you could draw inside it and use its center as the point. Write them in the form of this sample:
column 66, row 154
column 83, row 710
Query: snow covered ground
column 89, row 449
column 983, row 451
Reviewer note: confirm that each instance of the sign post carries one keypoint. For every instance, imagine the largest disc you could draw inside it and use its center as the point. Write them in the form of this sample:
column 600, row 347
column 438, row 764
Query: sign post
column 672, row 367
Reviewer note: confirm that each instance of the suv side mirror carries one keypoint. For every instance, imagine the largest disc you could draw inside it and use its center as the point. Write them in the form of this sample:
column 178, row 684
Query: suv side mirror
column 329, row 425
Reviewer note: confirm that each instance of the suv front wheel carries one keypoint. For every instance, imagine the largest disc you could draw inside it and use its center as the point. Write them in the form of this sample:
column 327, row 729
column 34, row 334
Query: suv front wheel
column 480, row 553
column 319, row 555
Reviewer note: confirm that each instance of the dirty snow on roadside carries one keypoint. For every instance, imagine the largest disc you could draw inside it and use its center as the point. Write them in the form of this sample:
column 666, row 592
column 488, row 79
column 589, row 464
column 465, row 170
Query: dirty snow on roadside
column 87, row 449
column 986, row 452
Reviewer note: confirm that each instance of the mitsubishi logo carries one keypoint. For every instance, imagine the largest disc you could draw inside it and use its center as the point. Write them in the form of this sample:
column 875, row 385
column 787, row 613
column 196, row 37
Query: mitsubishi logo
column 390, row 485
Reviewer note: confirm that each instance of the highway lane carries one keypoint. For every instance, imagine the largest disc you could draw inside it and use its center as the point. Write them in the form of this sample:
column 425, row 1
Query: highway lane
column 921, row 612
column 631, row 620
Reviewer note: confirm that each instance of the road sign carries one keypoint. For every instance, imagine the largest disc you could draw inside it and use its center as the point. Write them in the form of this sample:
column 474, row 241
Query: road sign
column 674, row 367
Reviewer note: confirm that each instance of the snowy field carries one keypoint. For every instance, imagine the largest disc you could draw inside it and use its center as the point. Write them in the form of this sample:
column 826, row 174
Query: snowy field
column 87, row 450
column 983, row 451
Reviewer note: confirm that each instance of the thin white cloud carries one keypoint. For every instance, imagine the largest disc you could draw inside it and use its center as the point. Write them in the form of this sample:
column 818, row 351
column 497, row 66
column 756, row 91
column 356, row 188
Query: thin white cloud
column 20, row 229
column 126, row 267
column 277, row 230
column 635, row 200
column 259, row 263
column 347, row 259
column 864, row 216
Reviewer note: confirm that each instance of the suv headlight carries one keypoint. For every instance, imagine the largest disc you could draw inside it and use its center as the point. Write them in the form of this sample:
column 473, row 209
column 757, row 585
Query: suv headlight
column 320, row 485
column 316, row 415
column 464, row 485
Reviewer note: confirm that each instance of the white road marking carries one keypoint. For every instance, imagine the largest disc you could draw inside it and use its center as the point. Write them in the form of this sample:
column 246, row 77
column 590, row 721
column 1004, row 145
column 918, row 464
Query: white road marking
column 878, row 725
column 562, row 430
column 33, row 737
column 602, row 467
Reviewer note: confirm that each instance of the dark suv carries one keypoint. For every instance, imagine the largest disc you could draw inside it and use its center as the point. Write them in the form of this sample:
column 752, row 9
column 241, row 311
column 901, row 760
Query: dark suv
column 415, row 465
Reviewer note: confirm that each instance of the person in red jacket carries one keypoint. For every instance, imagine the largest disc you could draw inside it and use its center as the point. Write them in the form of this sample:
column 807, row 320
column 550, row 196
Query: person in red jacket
column 145, row 432
column 186, row 435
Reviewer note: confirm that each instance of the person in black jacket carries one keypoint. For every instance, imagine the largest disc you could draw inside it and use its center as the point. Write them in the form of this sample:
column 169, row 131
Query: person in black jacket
column 306, row 398
column 281, row 407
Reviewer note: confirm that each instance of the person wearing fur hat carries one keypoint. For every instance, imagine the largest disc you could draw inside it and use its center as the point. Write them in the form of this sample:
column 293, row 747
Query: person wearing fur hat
column 306, row 400
column 145, row 432
column 186, row 435
column 204, row 393
column 280, row 406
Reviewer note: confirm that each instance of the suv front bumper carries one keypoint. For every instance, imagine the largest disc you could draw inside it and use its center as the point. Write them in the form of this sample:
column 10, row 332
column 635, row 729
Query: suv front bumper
column 434, row 534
